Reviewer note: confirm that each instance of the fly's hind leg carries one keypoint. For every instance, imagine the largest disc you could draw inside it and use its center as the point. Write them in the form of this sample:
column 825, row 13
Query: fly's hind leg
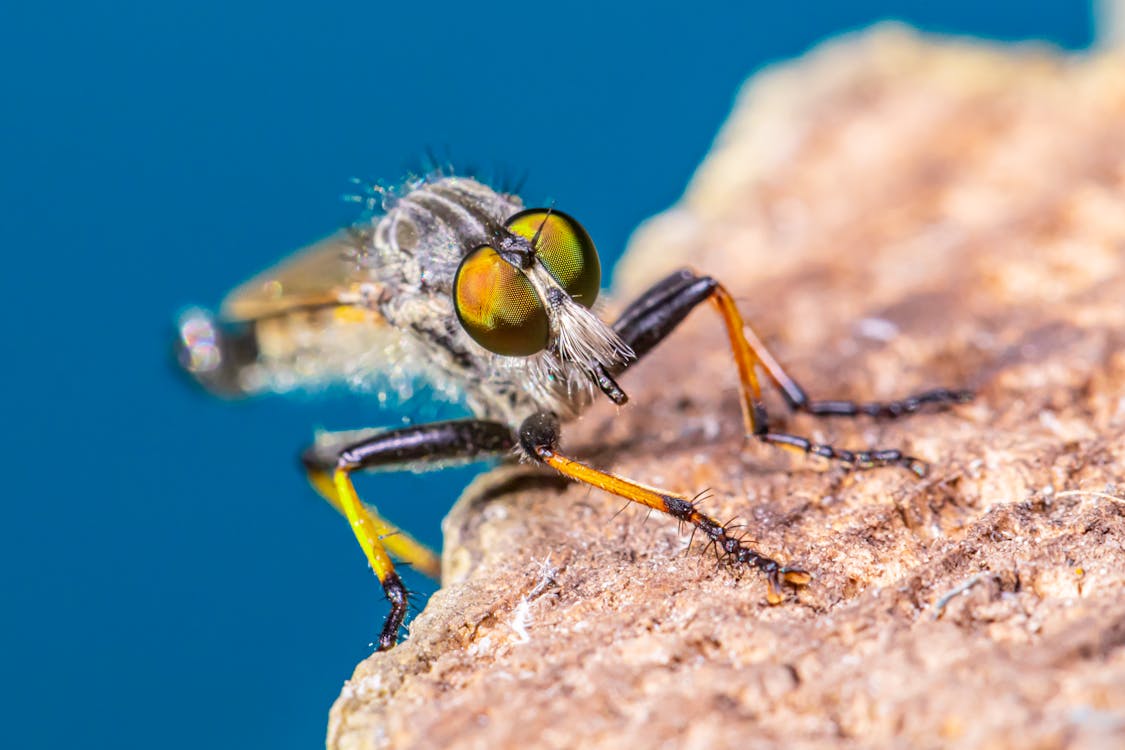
column 330, row 462
column 657, row 312
column 539, row 438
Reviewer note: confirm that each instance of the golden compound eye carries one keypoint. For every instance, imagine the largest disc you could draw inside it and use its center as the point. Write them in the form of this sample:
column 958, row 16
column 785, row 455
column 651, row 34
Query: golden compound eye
column 565, row 249
column 498, row 306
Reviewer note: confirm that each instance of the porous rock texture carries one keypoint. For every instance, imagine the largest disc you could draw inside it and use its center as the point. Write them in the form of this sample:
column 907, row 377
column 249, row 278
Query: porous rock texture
column 894, row 213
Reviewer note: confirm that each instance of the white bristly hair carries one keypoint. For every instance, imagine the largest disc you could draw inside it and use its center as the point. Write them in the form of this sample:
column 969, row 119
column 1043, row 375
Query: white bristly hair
column 585, row 340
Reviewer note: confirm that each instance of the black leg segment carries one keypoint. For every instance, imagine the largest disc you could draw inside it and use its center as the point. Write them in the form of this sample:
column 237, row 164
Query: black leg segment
column 657, row 312
column 937, row 398
column 437, row 443
column 658, row 294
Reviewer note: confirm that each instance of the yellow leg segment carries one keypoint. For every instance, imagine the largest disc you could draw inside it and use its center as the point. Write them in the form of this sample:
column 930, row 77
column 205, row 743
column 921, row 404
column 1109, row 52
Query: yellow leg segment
column 367, row 524
column 368, row 529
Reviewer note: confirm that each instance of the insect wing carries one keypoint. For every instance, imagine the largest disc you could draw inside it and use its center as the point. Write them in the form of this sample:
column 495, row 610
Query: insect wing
column 323, row 274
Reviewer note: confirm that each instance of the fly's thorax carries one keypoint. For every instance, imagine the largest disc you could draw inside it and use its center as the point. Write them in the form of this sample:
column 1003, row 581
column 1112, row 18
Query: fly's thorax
column 421, row 239
column 414, row 251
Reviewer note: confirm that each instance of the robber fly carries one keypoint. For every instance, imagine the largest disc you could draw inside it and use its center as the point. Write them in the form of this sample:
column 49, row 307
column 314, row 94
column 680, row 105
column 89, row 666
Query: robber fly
column 462, row 285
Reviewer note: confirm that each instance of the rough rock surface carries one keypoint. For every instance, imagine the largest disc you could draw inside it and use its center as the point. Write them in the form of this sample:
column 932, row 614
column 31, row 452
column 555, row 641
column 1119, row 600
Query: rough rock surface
column 894, row 214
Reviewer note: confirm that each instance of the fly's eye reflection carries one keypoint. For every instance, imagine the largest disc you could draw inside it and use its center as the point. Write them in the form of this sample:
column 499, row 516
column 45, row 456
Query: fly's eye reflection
column 565, row 248
column 498, row 306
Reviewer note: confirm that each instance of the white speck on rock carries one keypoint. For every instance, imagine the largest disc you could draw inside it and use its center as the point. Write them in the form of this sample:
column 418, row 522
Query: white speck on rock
column 877, row 329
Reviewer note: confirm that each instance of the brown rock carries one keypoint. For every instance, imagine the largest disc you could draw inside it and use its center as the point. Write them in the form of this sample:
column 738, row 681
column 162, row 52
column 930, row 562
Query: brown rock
column 894, row 214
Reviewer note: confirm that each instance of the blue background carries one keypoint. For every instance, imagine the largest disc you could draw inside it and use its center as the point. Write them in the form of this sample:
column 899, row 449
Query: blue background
column 169, row 579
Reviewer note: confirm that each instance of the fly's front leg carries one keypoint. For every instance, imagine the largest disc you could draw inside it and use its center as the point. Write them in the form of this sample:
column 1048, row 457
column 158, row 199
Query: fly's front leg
column 331, row 461
column 539, row 439
column 647, row 321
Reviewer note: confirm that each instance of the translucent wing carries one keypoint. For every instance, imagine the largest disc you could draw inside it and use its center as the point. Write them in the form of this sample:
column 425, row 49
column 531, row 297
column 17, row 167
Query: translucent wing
column 320, row 275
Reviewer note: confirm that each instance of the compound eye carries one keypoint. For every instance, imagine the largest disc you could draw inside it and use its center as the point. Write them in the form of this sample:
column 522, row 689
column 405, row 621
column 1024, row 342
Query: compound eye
column 498, row 306
column 565, row 249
